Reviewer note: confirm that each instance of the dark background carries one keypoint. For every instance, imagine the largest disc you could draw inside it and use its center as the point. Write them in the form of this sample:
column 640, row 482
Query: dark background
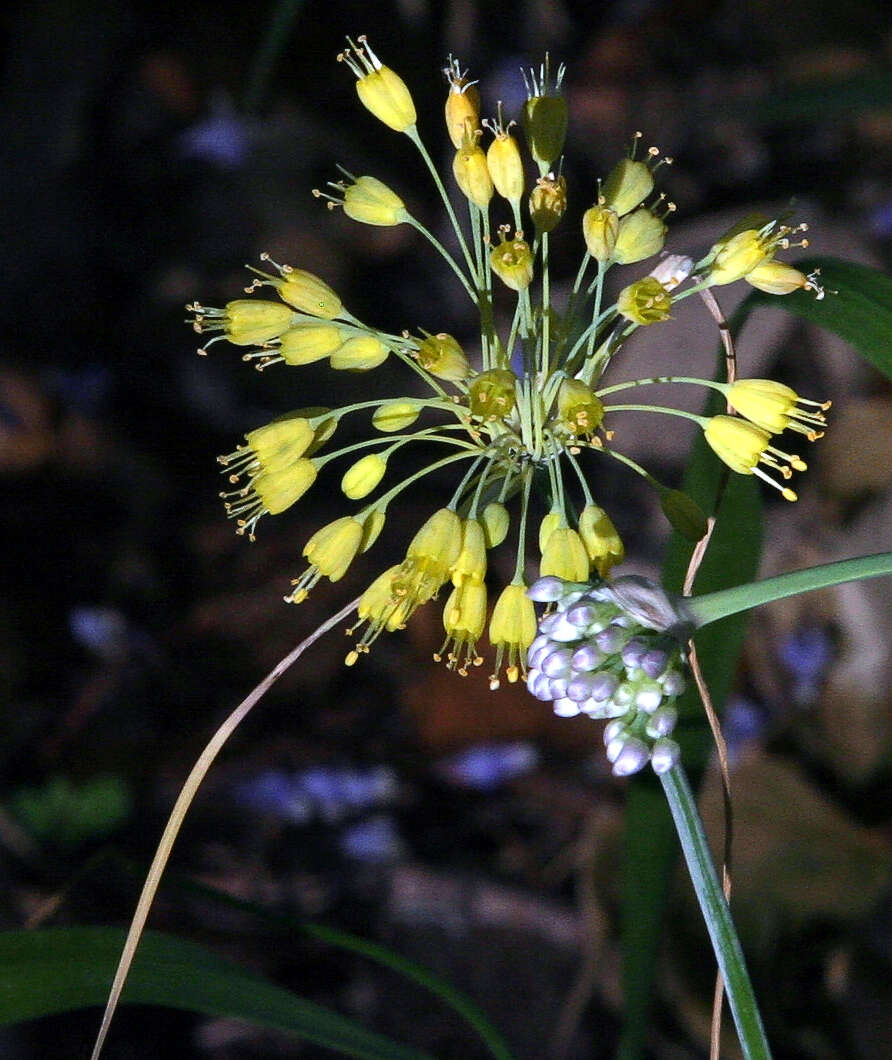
column 148, row 151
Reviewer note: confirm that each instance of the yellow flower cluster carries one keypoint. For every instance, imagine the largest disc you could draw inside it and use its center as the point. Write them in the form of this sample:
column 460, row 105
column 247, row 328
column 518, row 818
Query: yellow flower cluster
column 518, row 416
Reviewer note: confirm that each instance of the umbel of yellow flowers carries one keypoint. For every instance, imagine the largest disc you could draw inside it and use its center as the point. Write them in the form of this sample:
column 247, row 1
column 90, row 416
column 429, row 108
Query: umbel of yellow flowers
column 523, row 419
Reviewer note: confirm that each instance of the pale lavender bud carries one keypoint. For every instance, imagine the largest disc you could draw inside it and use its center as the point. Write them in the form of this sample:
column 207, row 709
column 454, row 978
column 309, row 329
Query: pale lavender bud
column 558, row 686
column 672, row 270
column 653, row 662
column 633, row 757
column 557, row 663
column 633, row 652
column 604, row 685
column 579, row 687
column 613, row 730
column 546, row 590
column 536, row 655
column 586, row 657
column 673, row 683
column 565, row 708
column 611, row 639
column 547, row 622
column 582, row 615
column 539, row 685
column 665, row 755
column 661, row 722
column 563, row 630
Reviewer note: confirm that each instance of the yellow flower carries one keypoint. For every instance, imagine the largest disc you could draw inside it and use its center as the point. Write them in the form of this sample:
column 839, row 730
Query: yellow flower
column 548, row 202
column 549, row 524
column 393, row 598
column 743, row 446
column 565, row 556
column 442, row 356
column 330, row 551
column 306, row 343
column 364, row 476
column 641, row 235
column 371, row 202
column 602, row 543
column 580, row 409
column 462, row 107
column 269, row 493
column 244, row 322
column 505, row 165
column 471, row 171
column 359, row 354
column 279, row 443
column 644, row 302
column 777, row 277
column 305, row 292
column 772, row 406
column 512, row 629
column 600, row 228
column 512, row 261
column 470, row 566
column 464, row 618
column 628, row 185
column 380, row 90
column 738, row 256
column 492, row 394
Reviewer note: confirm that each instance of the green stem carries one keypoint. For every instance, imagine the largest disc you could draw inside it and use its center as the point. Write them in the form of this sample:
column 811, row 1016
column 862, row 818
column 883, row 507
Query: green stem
column 712, row 606
column 447, row 257
column 716, row 914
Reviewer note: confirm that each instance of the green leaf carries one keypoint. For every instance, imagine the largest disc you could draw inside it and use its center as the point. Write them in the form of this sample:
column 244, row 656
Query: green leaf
column 860, row 312
column 651, row 847
column 715, row 606
column 61, row 969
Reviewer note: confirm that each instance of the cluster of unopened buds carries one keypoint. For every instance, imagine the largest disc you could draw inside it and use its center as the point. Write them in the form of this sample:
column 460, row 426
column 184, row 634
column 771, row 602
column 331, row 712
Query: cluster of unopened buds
column 525, row 415
column 613, row 651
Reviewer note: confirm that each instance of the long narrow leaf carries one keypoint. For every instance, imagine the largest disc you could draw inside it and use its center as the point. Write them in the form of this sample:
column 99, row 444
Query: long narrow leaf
column 62, row 969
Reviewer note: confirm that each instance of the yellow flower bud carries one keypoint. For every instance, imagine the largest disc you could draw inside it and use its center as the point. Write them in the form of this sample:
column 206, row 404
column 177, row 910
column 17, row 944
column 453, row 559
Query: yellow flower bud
column 359, row 354
column 281, row 442
column 442, row 356
column 381, row 609
column 641, row 235
column 471, row 172
column 548, row 202
column 743, row 446
column 371, row 202
column 565, row 556
column 601, row 541
column 495, row 521
column 380, row 90
column 333, row 547
column 580, row 409
column 364, row 476
column 280, row 488
column 394, row 416
column 305, row 343
column 251, row 322
column 512, row 262
column 628, row 185
column 505, row 166
column 773, row 407
column 492, row 394
column 600, row 227
column 462, row 104
column 644, row 302
column 549, row 524
column 512, row 629
column 471, row 563
column 371, row 528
